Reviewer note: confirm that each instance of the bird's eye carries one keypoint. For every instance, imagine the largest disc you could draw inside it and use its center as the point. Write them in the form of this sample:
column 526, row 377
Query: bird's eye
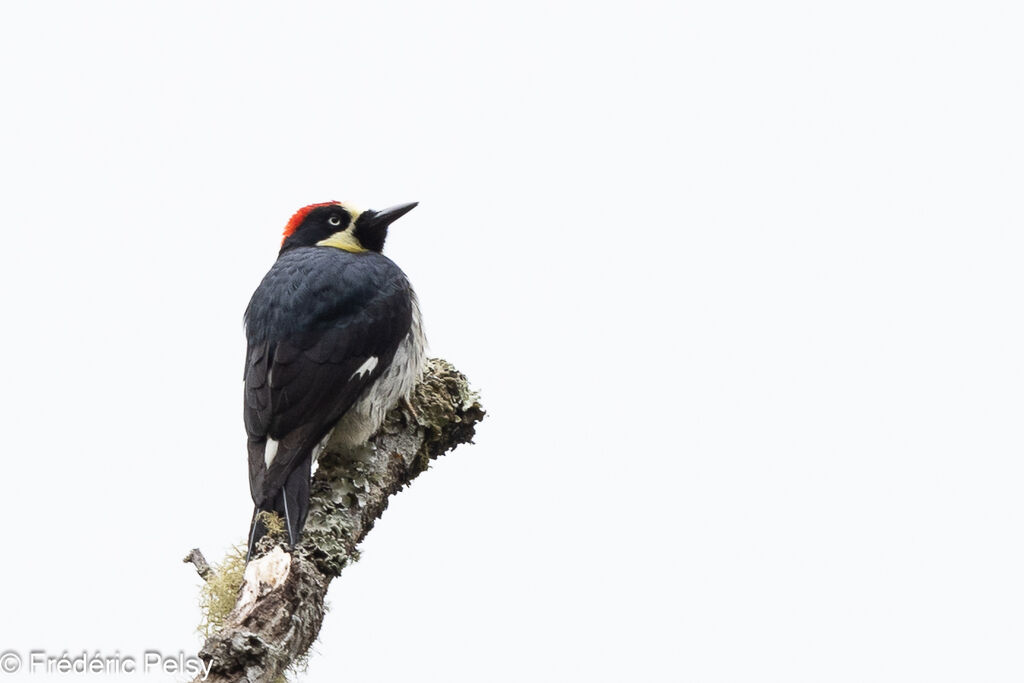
column 334, row 220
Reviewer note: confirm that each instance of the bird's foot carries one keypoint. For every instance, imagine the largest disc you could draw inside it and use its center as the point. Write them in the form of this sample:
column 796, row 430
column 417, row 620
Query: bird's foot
column 412, row 411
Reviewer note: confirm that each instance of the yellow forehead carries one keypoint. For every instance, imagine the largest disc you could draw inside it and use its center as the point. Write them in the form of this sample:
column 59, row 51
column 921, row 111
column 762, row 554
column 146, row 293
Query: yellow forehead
column 352, row 209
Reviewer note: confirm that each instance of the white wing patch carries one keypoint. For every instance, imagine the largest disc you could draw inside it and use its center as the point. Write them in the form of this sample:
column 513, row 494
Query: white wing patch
column 269, row 452
column 366, row 368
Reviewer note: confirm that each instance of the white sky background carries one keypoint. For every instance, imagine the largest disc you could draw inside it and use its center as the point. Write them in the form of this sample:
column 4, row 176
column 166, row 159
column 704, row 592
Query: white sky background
column 740, row 284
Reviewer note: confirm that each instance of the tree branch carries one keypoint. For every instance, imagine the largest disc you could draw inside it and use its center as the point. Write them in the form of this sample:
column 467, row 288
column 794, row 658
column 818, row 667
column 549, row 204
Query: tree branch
column 281, row 603
column 195, row 556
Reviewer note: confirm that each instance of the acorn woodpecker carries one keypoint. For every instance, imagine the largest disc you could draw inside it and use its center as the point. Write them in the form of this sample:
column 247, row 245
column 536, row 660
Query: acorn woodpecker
column 334, row 341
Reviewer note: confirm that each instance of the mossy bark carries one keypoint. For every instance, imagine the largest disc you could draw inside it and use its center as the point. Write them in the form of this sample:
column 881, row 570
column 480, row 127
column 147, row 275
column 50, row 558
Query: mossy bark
column 263, row 636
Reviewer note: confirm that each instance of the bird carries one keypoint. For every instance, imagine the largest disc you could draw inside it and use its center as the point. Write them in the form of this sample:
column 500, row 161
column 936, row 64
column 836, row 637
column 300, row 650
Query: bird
column 334, row 339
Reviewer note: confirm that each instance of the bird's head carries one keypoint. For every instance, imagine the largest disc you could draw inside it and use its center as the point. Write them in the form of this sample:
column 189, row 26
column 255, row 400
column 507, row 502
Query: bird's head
column 340, row 225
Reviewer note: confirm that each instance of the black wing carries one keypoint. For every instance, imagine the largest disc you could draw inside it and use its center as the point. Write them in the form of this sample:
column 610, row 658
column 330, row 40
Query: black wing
column 322, row 327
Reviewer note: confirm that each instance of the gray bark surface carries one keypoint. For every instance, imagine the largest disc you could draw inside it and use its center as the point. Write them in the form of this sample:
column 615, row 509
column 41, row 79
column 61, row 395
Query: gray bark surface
column 281, row 604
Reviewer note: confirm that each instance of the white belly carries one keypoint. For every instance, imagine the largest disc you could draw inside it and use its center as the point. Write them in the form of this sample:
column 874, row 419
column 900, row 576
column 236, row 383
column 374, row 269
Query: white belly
column 365, row 417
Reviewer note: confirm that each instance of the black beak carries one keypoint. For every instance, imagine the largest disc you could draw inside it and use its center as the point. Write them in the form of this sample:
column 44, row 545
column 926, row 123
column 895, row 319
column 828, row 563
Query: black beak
column 382, row 219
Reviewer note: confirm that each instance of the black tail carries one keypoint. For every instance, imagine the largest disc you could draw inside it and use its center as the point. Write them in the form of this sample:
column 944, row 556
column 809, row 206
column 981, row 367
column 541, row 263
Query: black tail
column 291, row 503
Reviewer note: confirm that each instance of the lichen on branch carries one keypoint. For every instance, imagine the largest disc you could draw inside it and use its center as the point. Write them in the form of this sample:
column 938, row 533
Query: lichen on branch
column 282, row 605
